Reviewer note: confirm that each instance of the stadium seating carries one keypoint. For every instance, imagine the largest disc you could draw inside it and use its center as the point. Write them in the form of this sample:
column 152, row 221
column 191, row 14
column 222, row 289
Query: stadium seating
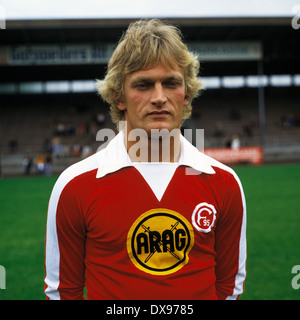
column 221, row 113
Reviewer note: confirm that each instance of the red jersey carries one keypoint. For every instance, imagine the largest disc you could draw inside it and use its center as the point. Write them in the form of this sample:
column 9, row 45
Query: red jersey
column 151, row 232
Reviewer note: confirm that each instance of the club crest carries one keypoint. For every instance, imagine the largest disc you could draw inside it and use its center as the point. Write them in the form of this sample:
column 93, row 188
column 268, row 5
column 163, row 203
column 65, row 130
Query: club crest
column 203, row 217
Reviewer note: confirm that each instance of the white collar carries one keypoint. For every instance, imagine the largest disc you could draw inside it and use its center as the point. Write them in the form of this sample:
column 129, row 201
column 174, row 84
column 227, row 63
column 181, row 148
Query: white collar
column 115, row 157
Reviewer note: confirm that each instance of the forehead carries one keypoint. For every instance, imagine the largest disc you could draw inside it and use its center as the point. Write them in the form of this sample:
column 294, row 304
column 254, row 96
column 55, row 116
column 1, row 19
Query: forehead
column 156, row 72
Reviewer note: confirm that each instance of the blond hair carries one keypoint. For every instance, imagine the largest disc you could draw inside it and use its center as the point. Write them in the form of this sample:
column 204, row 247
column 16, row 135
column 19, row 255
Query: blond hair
column 145, row 43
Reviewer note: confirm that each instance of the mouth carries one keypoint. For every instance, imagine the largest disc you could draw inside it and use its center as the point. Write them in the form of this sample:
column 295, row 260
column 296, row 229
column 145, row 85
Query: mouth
column 159, row 114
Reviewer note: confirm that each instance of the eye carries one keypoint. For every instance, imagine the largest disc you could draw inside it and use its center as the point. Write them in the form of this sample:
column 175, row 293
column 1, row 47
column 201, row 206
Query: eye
column 142, row 85
column 173, row 83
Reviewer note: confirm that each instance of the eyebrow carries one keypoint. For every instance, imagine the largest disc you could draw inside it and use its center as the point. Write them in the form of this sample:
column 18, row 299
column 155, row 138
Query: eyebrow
column 178, row 78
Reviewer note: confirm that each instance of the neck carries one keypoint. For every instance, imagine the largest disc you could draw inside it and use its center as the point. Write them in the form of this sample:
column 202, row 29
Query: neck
column 159, row 146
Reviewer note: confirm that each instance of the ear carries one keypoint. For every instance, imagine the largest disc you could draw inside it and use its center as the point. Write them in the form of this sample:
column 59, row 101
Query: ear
column 120, row 105
column 186, row 101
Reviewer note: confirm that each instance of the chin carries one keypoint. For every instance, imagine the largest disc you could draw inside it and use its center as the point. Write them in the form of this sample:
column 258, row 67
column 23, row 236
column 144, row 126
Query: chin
column 159, row 125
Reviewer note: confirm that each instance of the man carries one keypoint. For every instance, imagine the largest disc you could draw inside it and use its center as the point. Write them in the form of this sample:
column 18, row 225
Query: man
column 149, row 216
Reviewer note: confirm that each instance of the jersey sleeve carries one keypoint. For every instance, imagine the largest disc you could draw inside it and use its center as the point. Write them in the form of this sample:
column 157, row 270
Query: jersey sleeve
column 230, row 242
column 65, row 243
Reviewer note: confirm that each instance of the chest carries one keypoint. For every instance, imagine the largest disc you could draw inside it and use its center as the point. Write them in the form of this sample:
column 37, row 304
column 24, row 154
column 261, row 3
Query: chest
column 116, row 201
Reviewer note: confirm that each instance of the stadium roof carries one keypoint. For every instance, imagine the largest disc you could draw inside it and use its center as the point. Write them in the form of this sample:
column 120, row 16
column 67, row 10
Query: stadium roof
column 103, row 9
column 276, row 36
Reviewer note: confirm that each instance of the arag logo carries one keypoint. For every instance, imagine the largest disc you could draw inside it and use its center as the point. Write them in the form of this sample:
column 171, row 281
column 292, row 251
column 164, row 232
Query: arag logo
column 159, row 241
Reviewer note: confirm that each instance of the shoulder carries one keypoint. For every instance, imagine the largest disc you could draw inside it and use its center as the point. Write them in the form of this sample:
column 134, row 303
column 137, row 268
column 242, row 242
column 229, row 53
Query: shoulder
column 221, row 167
column 75, row 171
column 225, row 175
column 81, row 167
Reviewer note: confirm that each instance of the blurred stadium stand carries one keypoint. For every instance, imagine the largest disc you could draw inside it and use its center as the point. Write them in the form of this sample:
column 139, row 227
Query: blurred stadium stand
column 48, row 70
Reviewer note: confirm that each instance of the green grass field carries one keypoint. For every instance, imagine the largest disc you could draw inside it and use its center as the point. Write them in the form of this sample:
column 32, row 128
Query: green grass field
column 273, row 232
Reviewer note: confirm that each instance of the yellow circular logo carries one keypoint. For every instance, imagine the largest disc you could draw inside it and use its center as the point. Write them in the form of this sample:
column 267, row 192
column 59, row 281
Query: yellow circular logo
column 159, row 241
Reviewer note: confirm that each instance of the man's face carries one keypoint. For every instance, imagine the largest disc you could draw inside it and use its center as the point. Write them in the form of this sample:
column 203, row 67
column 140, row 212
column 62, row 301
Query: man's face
column 154, row 98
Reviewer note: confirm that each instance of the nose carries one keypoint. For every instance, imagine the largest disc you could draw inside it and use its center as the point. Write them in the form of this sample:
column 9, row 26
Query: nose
column 158, row 97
